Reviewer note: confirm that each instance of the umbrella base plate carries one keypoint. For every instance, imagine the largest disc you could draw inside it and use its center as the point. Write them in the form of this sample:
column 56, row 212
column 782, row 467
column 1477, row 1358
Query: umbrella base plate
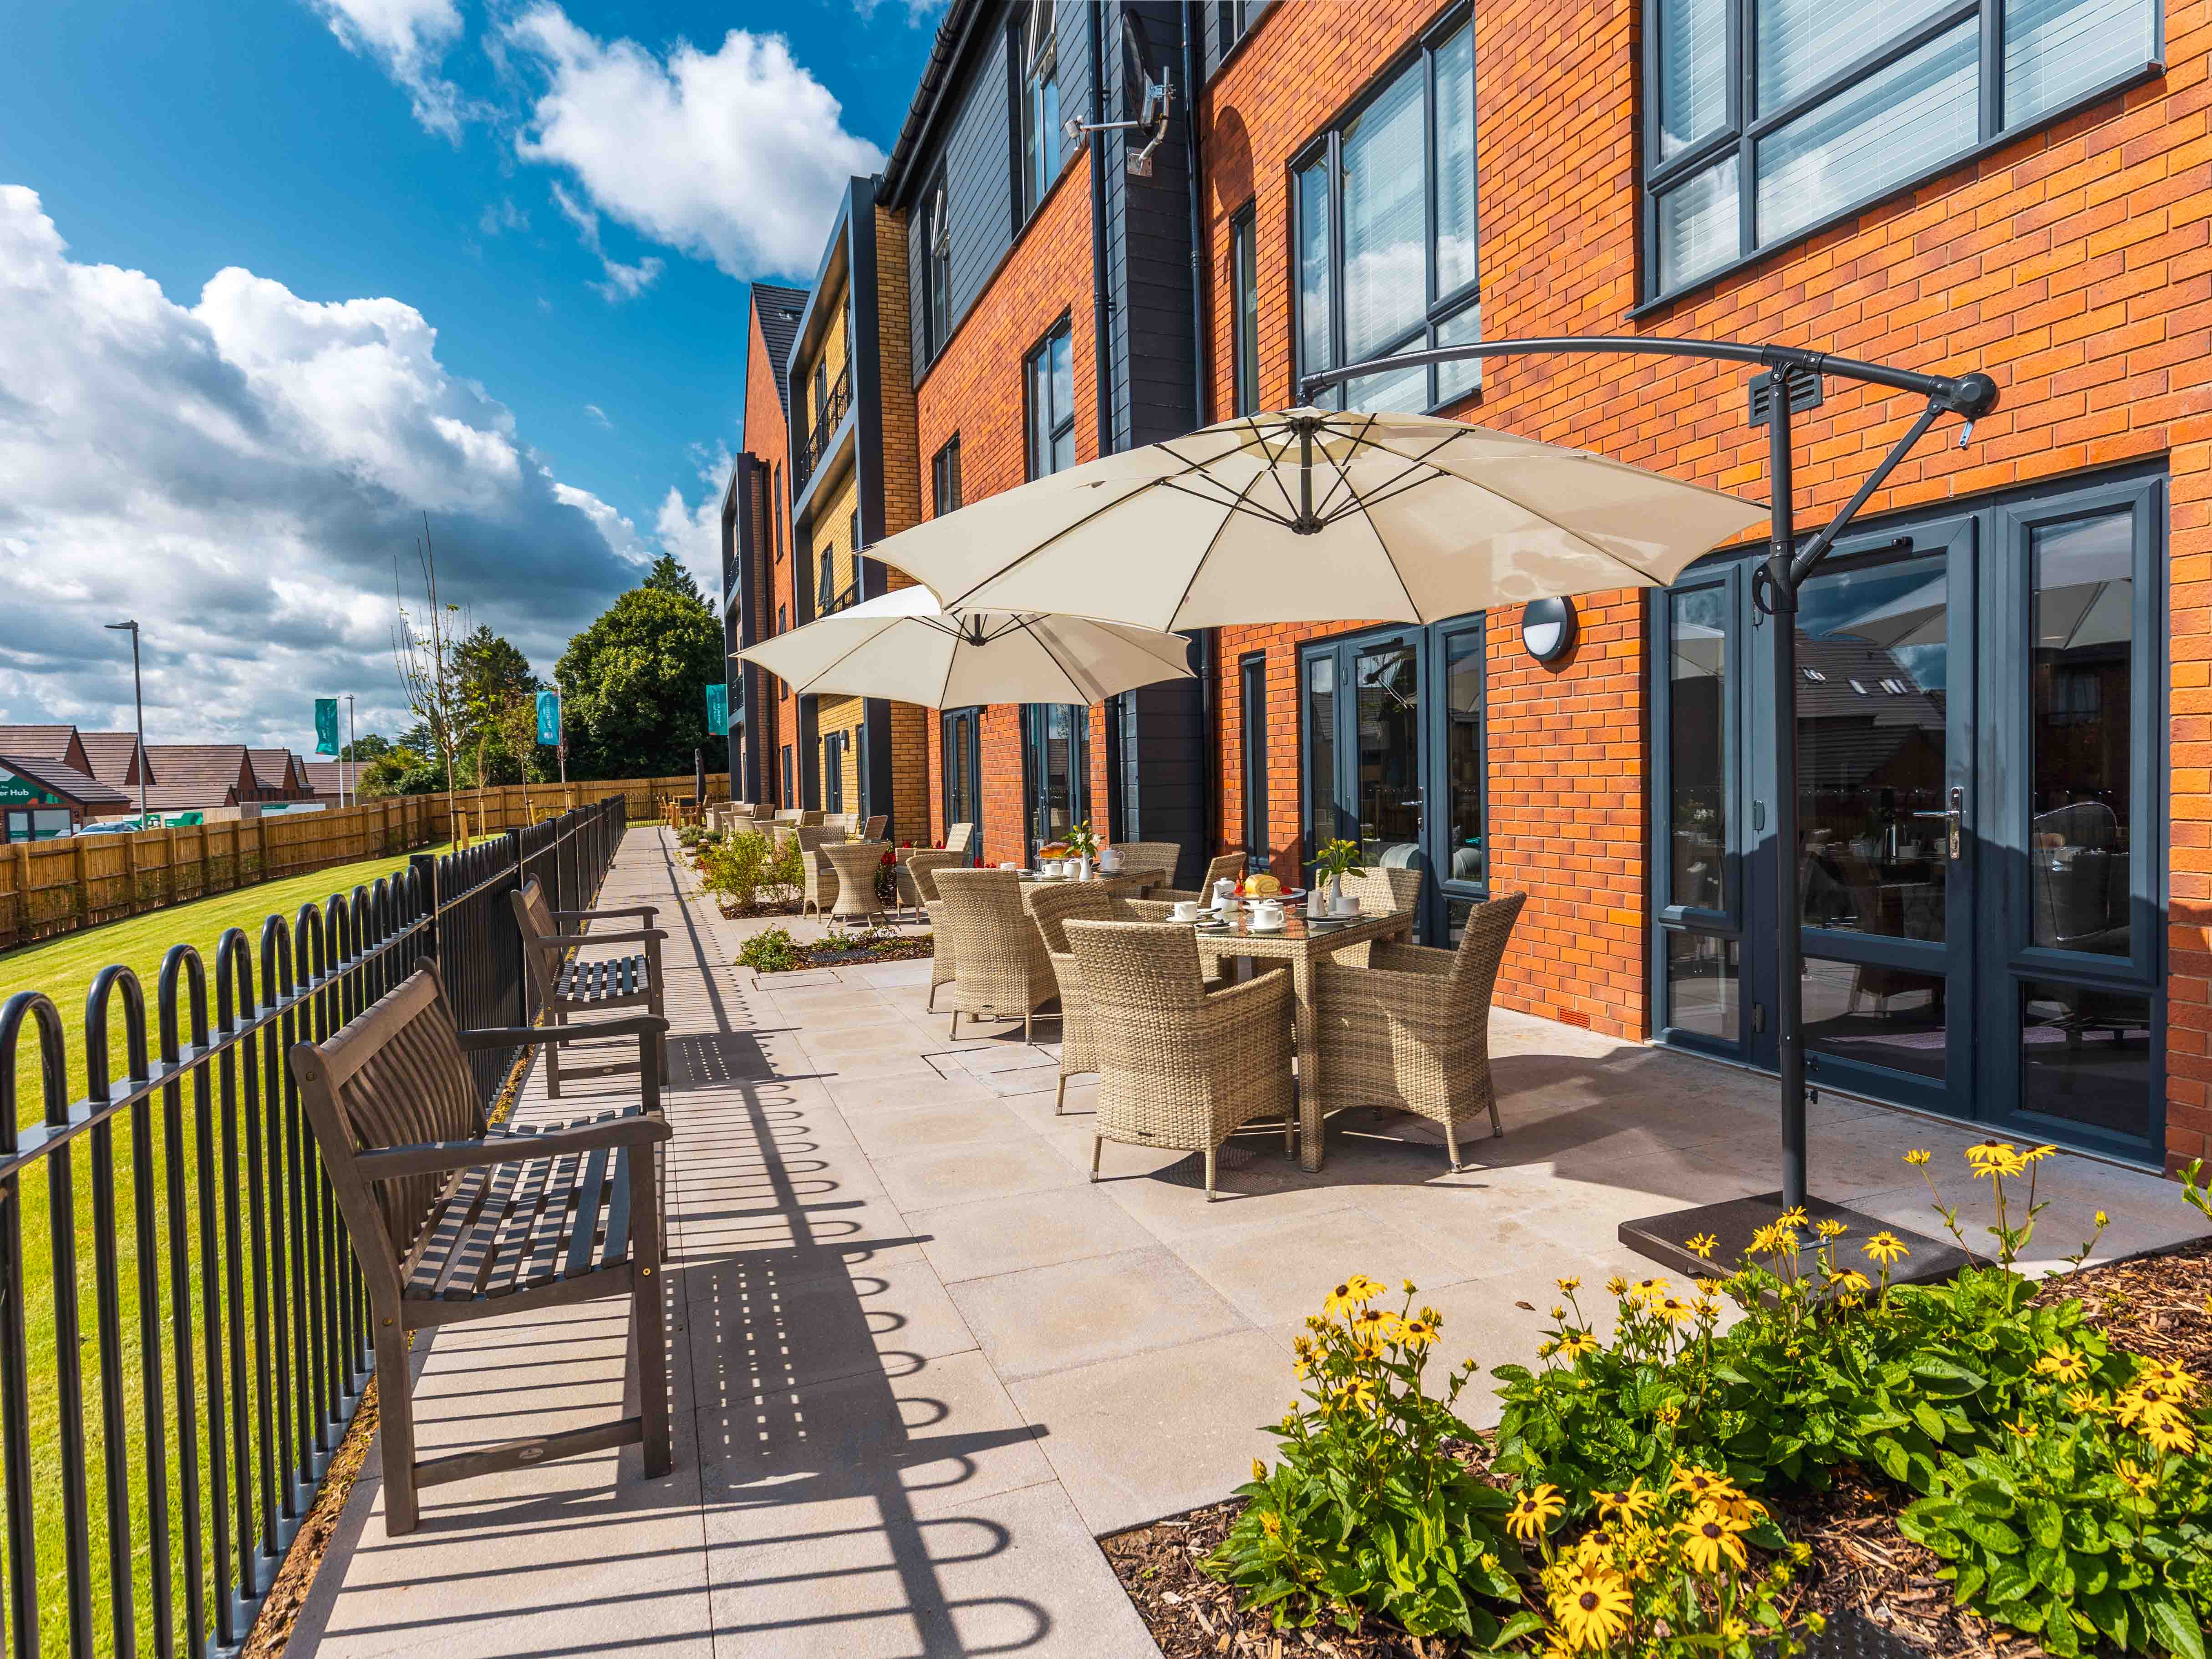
column 1665, row 1239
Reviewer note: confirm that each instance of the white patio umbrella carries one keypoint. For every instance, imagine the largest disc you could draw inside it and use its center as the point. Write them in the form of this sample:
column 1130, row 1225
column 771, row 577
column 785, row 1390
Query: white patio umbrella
column 900, row 646
column 1311, row 516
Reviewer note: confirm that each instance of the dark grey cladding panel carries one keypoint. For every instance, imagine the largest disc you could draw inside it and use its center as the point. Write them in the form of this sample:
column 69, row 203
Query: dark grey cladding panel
column 1148, row 248
column 976, row 155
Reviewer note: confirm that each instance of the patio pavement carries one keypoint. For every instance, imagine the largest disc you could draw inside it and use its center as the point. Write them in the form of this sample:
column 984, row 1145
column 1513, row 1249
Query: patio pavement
column 920, row 1363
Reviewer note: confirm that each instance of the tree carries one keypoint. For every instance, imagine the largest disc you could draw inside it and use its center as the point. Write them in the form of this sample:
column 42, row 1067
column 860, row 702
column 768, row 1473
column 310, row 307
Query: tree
column 366, row 748
column 670, row 577
column 424, row 650
column 633, row 684
column 494, row 675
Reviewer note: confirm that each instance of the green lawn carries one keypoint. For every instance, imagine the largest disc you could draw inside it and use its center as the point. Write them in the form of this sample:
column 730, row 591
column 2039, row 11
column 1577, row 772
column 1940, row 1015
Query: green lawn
column 65, row 969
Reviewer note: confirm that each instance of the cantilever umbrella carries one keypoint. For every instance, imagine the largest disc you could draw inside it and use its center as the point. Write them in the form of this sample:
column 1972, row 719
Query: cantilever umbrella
column 1312, row 515
column 900, row 646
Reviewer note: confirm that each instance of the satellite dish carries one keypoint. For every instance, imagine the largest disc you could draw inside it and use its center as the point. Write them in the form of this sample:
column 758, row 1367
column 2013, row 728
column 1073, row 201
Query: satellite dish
column 1146, row 93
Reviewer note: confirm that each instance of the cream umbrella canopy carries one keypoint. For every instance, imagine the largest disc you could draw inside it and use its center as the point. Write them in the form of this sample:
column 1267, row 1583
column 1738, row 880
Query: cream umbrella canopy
column 900, row 646
column 1313, row 515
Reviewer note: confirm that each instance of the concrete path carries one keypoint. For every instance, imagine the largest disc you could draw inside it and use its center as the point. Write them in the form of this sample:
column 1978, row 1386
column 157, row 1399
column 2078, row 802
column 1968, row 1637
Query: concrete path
column 921, row 1363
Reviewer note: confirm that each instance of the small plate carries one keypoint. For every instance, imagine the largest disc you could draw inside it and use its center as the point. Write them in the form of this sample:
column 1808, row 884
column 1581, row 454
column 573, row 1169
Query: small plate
column 1206, row 926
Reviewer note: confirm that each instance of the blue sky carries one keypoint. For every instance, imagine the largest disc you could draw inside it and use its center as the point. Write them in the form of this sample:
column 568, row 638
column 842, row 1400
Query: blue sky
column 571, row 196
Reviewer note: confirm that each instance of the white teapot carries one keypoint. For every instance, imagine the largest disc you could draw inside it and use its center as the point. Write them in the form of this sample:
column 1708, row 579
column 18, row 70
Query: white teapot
column 1110, row 860
column 1224, row 896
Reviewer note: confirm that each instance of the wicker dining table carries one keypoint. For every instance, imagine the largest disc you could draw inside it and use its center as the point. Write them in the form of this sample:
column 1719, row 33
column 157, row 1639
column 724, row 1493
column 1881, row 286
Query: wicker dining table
column 1302, row 943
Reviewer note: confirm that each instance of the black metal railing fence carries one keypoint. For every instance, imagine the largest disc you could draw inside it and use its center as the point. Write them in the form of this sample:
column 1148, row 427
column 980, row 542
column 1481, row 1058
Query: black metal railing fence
column 228, row 1340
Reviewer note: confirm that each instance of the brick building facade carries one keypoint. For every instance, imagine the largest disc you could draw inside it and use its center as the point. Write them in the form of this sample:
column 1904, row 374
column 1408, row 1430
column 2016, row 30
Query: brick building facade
column 2020, row 190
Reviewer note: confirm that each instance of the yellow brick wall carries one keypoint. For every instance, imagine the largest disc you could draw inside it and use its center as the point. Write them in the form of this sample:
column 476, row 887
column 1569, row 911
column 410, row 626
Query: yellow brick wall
column 831, row 354
column 902, row 466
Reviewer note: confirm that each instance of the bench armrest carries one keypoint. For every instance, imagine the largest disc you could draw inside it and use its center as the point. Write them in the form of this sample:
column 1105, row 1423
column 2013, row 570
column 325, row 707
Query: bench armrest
column 648, row 911
column 643, row 935
column 515, row 1037
column 442, row 1156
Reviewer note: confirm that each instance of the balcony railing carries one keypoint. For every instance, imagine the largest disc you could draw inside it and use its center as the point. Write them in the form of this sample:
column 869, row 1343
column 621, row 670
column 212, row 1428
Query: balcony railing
column 827, row 419
column 165, row 1419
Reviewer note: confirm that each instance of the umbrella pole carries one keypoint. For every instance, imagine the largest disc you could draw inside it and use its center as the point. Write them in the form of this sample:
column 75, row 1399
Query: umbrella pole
column 1780, row 594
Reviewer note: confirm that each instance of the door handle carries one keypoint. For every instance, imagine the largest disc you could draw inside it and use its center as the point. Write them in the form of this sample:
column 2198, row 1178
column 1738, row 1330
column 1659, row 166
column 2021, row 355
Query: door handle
column 1953, row 816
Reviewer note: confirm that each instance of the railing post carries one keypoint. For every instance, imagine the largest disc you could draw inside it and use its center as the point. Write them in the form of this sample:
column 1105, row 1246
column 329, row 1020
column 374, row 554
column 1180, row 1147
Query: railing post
column 425, row 866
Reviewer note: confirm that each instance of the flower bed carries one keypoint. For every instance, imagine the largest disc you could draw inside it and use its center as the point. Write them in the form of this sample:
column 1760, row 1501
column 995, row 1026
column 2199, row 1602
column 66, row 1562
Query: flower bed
column 1985, row 1465
column 773, row 951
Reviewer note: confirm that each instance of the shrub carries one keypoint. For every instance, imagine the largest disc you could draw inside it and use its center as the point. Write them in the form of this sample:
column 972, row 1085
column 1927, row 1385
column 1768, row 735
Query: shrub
column 1368, row 1510
column 746, row 865
column 772, row 950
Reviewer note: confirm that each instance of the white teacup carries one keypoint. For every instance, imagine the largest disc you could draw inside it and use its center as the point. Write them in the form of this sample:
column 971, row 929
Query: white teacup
column 1185, row 911
column 1267, row 917
column 1052, row 867
column 1347, row 905
column 1010, row 866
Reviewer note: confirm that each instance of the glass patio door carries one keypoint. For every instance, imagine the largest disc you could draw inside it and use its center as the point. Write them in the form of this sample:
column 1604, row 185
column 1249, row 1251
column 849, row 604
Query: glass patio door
column 1368, row 748
column 1981, row 840
column 1056, row 756
column 963, row 765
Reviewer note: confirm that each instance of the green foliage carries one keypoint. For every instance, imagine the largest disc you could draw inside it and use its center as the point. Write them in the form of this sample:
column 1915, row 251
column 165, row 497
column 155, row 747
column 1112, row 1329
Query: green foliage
column 633, row 685
column 1369, row 1511
column 401, row 771
column 2195, row 1189
column 667, row 576
column 772, row 950
column 1081, row 841
column 744, row 867
column 1336, row 858
column 2086, row 1522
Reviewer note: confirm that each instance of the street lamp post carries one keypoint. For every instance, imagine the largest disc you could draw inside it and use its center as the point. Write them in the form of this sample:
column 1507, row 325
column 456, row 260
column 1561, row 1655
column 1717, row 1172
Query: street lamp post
column 138, row 700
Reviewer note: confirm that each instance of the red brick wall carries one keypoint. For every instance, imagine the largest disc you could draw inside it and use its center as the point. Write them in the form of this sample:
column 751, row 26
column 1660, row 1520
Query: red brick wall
column 2072, row 265
column 974, row 389
column 768, row 439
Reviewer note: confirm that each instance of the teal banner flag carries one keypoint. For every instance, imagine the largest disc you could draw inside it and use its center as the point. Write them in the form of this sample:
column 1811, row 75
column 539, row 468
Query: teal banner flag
column 326, row 726
column 717, row 710
column 549, row 719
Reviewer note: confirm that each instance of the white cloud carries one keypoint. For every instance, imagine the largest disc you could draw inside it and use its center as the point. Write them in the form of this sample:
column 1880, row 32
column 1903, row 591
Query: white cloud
column 409, row 39
column 737, row 155
column 240, row 475
column 624, row 282
column 694, row 534
column 918, row 12
column 598, row 414
column 502, row 215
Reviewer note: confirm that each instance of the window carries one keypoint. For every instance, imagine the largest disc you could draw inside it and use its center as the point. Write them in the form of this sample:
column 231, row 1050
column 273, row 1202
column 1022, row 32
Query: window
column 1235, row 19
column 825, row 582
column 1038, row 97
column 821, row 391
column 1848, row 100
column 936, row 270
column 1056, row 754
column 1244, row 291
column 1051, row 377
column 790, row 797
column 833, row 771
column 944, row 479
column 1252, row 679
column 1386, row 235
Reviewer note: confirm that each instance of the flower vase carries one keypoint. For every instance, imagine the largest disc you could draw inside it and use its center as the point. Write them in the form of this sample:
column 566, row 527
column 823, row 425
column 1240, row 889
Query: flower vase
column 1335, row 890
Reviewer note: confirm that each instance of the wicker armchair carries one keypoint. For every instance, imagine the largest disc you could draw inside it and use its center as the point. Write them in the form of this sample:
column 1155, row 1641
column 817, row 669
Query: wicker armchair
column 1229, row 865
column 1412, row 1029
column 1053, row 906
column 1383, row 892
column 874, row 828
column 960, row 838
column 1182, row 1065
column 856, row 863
column 1154, row 859
column 819, row 877
column 917, row 886
column 1003, row 972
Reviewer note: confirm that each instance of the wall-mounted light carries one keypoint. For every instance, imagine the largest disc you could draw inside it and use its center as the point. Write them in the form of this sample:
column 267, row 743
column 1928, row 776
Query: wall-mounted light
column 1547, row 629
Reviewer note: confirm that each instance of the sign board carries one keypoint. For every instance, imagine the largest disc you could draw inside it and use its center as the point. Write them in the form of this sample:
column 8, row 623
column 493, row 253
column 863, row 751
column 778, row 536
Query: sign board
column 717, row 710
column 549, row 719
column 326, row 726
column 21, row 792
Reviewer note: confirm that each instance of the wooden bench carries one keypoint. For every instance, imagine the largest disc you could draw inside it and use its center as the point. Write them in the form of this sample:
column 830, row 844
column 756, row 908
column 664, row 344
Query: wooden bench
column 561, row 987
column 452, row 1220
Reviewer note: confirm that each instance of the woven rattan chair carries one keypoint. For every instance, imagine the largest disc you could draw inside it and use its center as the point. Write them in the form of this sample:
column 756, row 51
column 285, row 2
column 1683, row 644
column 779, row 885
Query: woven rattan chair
column 1229, row 865
column 1052, row 907
column 818, row 876
column 453, row 1221
column 960, row 838
column 1383, row 892
column 856, row 863
column 1002, row 970
column 1412, row 1029
column 917, row 890
column 1181, row 1064
column 1154, row 860
column 874, row 828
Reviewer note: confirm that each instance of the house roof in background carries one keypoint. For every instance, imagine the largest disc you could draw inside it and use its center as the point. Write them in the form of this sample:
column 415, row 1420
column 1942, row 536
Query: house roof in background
column 58, row 743
column 276, row 768
column 199, row 774
column 323, row 777
column 64, row 779
column 114, row 757
column 779, row 309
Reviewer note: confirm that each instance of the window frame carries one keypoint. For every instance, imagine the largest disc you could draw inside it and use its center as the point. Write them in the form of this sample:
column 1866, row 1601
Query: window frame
column 1741, row 133
column 1040, row 353
column 936, row 267
column 944, row 478
column 1033, row 183
column 1244, row 310
column 1252, row 758
column 1327, row 149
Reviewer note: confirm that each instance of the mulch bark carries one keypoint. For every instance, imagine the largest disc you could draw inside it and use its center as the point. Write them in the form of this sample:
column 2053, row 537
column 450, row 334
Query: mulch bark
column 2155, row 1305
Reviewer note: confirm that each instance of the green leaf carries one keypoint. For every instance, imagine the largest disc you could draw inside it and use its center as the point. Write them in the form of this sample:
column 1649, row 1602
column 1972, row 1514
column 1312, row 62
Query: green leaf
column 2108, row 1610
column 1946, row 1378
column 2170, row 1624
column 1987, row 1498
column 1931, row 1422
column 1521, row 1623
